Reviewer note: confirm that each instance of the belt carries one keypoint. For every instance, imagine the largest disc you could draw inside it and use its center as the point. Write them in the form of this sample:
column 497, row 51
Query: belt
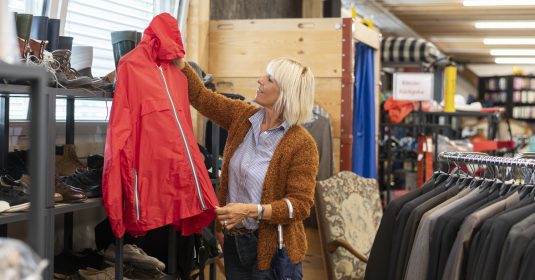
column 241, row 231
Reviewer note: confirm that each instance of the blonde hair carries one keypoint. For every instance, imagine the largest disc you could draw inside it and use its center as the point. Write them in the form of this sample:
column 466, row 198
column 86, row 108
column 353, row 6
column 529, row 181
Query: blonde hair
column 296, row 83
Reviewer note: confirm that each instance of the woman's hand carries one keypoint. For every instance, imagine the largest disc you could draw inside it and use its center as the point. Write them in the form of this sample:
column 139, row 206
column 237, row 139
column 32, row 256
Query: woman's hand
column 180, row 63
column 233, row 213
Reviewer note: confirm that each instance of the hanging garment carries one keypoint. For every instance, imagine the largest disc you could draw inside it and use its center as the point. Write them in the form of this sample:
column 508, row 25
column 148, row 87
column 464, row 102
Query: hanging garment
column 454, row 267
column 377, row 267
column 513, row 250
column 154, row 174
column 320, row 129
column 364, row 156
column 527, row 269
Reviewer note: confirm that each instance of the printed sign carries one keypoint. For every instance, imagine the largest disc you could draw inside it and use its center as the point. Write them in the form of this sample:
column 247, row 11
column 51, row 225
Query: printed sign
column 413, row 86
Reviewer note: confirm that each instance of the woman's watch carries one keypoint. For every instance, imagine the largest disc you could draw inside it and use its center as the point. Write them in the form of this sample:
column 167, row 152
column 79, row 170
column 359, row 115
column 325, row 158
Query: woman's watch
column 260, row 210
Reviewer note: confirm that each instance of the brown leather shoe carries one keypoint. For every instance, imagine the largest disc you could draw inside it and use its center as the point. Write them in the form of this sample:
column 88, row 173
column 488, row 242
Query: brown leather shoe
column 25, row 181
column 69, row 193
column 37, row 48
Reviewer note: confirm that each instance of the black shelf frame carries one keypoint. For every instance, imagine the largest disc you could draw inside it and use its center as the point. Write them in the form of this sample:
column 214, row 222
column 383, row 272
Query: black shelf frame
column 509, row 90
column 429, row 124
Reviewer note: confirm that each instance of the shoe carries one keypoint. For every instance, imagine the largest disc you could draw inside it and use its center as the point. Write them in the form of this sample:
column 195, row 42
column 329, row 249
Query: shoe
column 123, row 42
column 39, row 28
column 95, row 162
column 136, row 257
column 17, row 200
column 24, row 26
column 52, row 35
column 88, row 181
column 94, row 274
column 69, row 193
column 65, row 43
column 66, row 75
column 25, row 185
column 37, row 48
column 67, row 164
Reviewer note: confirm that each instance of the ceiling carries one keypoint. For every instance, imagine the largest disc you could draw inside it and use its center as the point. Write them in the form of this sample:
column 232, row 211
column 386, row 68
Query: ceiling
column 451, row 26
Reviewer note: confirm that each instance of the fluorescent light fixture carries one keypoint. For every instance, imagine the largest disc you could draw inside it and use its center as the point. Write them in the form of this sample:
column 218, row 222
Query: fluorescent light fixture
column 513, row 52
column 509, row 41
column 499, row 3
column 513, row 24
column 515, row 60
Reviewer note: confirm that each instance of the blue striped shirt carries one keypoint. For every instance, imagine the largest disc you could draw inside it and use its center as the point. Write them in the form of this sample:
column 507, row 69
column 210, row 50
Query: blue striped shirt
column 249, row 164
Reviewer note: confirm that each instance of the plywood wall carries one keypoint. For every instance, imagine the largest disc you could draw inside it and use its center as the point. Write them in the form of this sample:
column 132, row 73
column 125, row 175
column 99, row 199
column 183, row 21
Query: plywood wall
column 240, row 50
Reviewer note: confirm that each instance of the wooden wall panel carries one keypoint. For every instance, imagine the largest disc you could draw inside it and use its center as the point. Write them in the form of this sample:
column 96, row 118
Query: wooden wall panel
column 242, row 48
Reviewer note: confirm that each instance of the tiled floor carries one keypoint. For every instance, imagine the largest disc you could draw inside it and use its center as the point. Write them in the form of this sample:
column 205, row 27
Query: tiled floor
column 313, row 268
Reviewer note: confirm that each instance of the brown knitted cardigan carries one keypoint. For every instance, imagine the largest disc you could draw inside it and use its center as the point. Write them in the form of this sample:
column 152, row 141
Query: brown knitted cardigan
column 291, row 173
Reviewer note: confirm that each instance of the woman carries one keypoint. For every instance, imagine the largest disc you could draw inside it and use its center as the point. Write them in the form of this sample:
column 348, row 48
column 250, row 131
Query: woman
column 269, row 157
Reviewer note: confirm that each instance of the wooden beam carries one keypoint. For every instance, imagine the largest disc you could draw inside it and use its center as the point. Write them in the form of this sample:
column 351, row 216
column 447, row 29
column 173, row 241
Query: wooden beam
column 366, row 35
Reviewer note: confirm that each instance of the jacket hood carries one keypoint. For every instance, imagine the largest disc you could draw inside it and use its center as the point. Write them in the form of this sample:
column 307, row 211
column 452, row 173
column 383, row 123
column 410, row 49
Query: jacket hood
column 164, row 37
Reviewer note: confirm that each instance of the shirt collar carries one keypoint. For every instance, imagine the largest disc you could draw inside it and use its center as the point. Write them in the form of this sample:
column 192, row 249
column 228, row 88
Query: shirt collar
column 256, row 121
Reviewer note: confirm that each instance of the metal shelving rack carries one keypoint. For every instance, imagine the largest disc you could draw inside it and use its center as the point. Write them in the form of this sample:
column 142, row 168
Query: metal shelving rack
column 43, row 210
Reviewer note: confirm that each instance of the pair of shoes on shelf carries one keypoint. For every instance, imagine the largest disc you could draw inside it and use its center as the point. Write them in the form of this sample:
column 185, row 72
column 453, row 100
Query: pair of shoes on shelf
column 89, row 181
column 136, row 257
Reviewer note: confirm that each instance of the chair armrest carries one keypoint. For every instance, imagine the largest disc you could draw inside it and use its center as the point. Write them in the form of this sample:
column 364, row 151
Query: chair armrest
column 333, row 245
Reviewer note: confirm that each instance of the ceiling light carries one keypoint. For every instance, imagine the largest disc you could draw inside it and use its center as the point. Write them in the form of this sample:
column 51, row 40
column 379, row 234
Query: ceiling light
column 499, row 3
column 505, row 24
column 509, row 41
column 513, row 52
column 515, row 60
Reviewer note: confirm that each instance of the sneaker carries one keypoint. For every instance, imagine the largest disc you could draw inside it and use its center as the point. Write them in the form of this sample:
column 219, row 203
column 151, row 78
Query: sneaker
column 136, row 257
column 17, row 200
column 82, row 182
column 94, row 274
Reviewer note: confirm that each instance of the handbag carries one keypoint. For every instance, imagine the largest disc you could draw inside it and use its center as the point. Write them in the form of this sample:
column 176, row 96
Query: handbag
column 282, row 267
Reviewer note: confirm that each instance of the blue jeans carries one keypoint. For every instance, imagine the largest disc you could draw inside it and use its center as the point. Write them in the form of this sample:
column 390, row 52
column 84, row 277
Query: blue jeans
column 241, row 262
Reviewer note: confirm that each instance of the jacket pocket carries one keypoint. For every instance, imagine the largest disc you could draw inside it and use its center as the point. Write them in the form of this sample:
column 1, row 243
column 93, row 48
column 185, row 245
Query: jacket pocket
column 136, row 194
column 154, row 105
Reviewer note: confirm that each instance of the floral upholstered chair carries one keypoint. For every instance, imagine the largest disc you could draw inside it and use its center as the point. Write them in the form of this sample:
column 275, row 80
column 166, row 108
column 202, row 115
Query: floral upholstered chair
column 349, row 212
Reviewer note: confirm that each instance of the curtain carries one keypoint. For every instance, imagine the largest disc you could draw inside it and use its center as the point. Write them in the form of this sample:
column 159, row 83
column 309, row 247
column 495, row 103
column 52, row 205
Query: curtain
column 364, row 146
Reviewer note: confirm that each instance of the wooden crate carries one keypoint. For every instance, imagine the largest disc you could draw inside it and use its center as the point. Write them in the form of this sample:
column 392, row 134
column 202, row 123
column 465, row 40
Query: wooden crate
column 239, row 51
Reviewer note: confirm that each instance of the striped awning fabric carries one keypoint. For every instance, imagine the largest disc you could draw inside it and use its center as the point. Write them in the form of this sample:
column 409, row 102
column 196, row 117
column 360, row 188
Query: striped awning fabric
column 408, row 50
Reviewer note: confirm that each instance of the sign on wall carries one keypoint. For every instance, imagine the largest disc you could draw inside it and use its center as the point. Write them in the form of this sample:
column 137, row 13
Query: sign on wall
column 413, row 86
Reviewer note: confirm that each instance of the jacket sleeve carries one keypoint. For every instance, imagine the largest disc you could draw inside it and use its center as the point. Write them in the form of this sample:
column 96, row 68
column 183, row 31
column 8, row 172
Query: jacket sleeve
column 300, row 187
column 220, row 109
column 119, row 130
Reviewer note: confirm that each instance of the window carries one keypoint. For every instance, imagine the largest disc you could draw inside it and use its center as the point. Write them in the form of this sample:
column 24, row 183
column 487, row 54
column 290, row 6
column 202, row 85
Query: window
column 91, row 24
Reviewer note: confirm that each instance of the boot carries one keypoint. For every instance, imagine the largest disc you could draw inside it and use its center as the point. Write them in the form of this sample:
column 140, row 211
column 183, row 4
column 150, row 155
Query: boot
column 67, row 76
column 24, row 26
column 67, row 164
column 37, row 48
column 65, row 43
column 39, row 28
column 82, row 59
column 53, row 34
column 123, row 42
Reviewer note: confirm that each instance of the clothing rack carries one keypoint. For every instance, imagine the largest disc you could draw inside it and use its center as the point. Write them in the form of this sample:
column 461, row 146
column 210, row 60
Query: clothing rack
column 478, row 158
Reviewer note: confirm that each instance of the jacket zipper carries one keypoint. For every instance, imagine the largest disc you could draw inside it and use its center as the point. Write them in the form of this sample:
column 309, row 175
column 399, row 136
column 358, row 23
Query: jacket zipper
column 201, row 199
column 136, row 195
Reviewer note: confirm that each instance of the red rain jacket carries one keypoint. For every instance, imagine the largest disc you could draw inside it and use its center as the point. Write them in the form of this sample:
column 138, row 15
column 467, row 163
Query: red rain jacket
column 154, row 174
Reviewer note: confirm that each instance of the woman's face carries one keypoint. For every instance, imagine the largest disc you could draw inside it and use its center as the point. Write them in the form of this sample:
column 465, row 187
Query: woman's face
column 267, row 92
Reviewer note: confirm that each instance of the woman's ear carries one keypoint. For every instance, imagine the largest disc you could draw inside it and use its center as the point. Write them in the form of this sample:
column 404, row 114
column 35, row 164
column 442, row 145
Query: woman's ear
column 180, row 63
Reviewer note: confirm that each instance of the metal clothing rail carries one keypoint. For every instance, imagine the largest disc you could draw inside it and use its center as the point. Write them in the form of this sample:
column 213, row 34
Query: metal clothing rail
column 486, row 159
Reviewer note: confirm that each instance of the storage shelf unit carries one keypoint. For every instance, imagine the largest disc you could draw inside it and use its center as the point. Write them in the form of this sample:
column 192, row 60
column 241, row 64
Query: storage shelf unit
column 515, row 93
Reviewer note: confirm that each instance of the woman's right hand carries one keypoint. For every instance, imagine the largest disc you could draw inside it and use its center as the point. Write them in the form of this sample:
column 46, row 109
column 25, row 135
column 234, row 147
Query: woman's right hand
column 180, row 63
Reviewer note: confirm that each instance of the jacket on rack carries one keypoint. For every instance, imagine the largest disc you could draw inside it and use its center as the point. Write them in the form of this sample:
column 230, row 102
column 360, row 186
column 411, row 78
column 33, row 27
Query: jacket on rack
column 154, row 174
